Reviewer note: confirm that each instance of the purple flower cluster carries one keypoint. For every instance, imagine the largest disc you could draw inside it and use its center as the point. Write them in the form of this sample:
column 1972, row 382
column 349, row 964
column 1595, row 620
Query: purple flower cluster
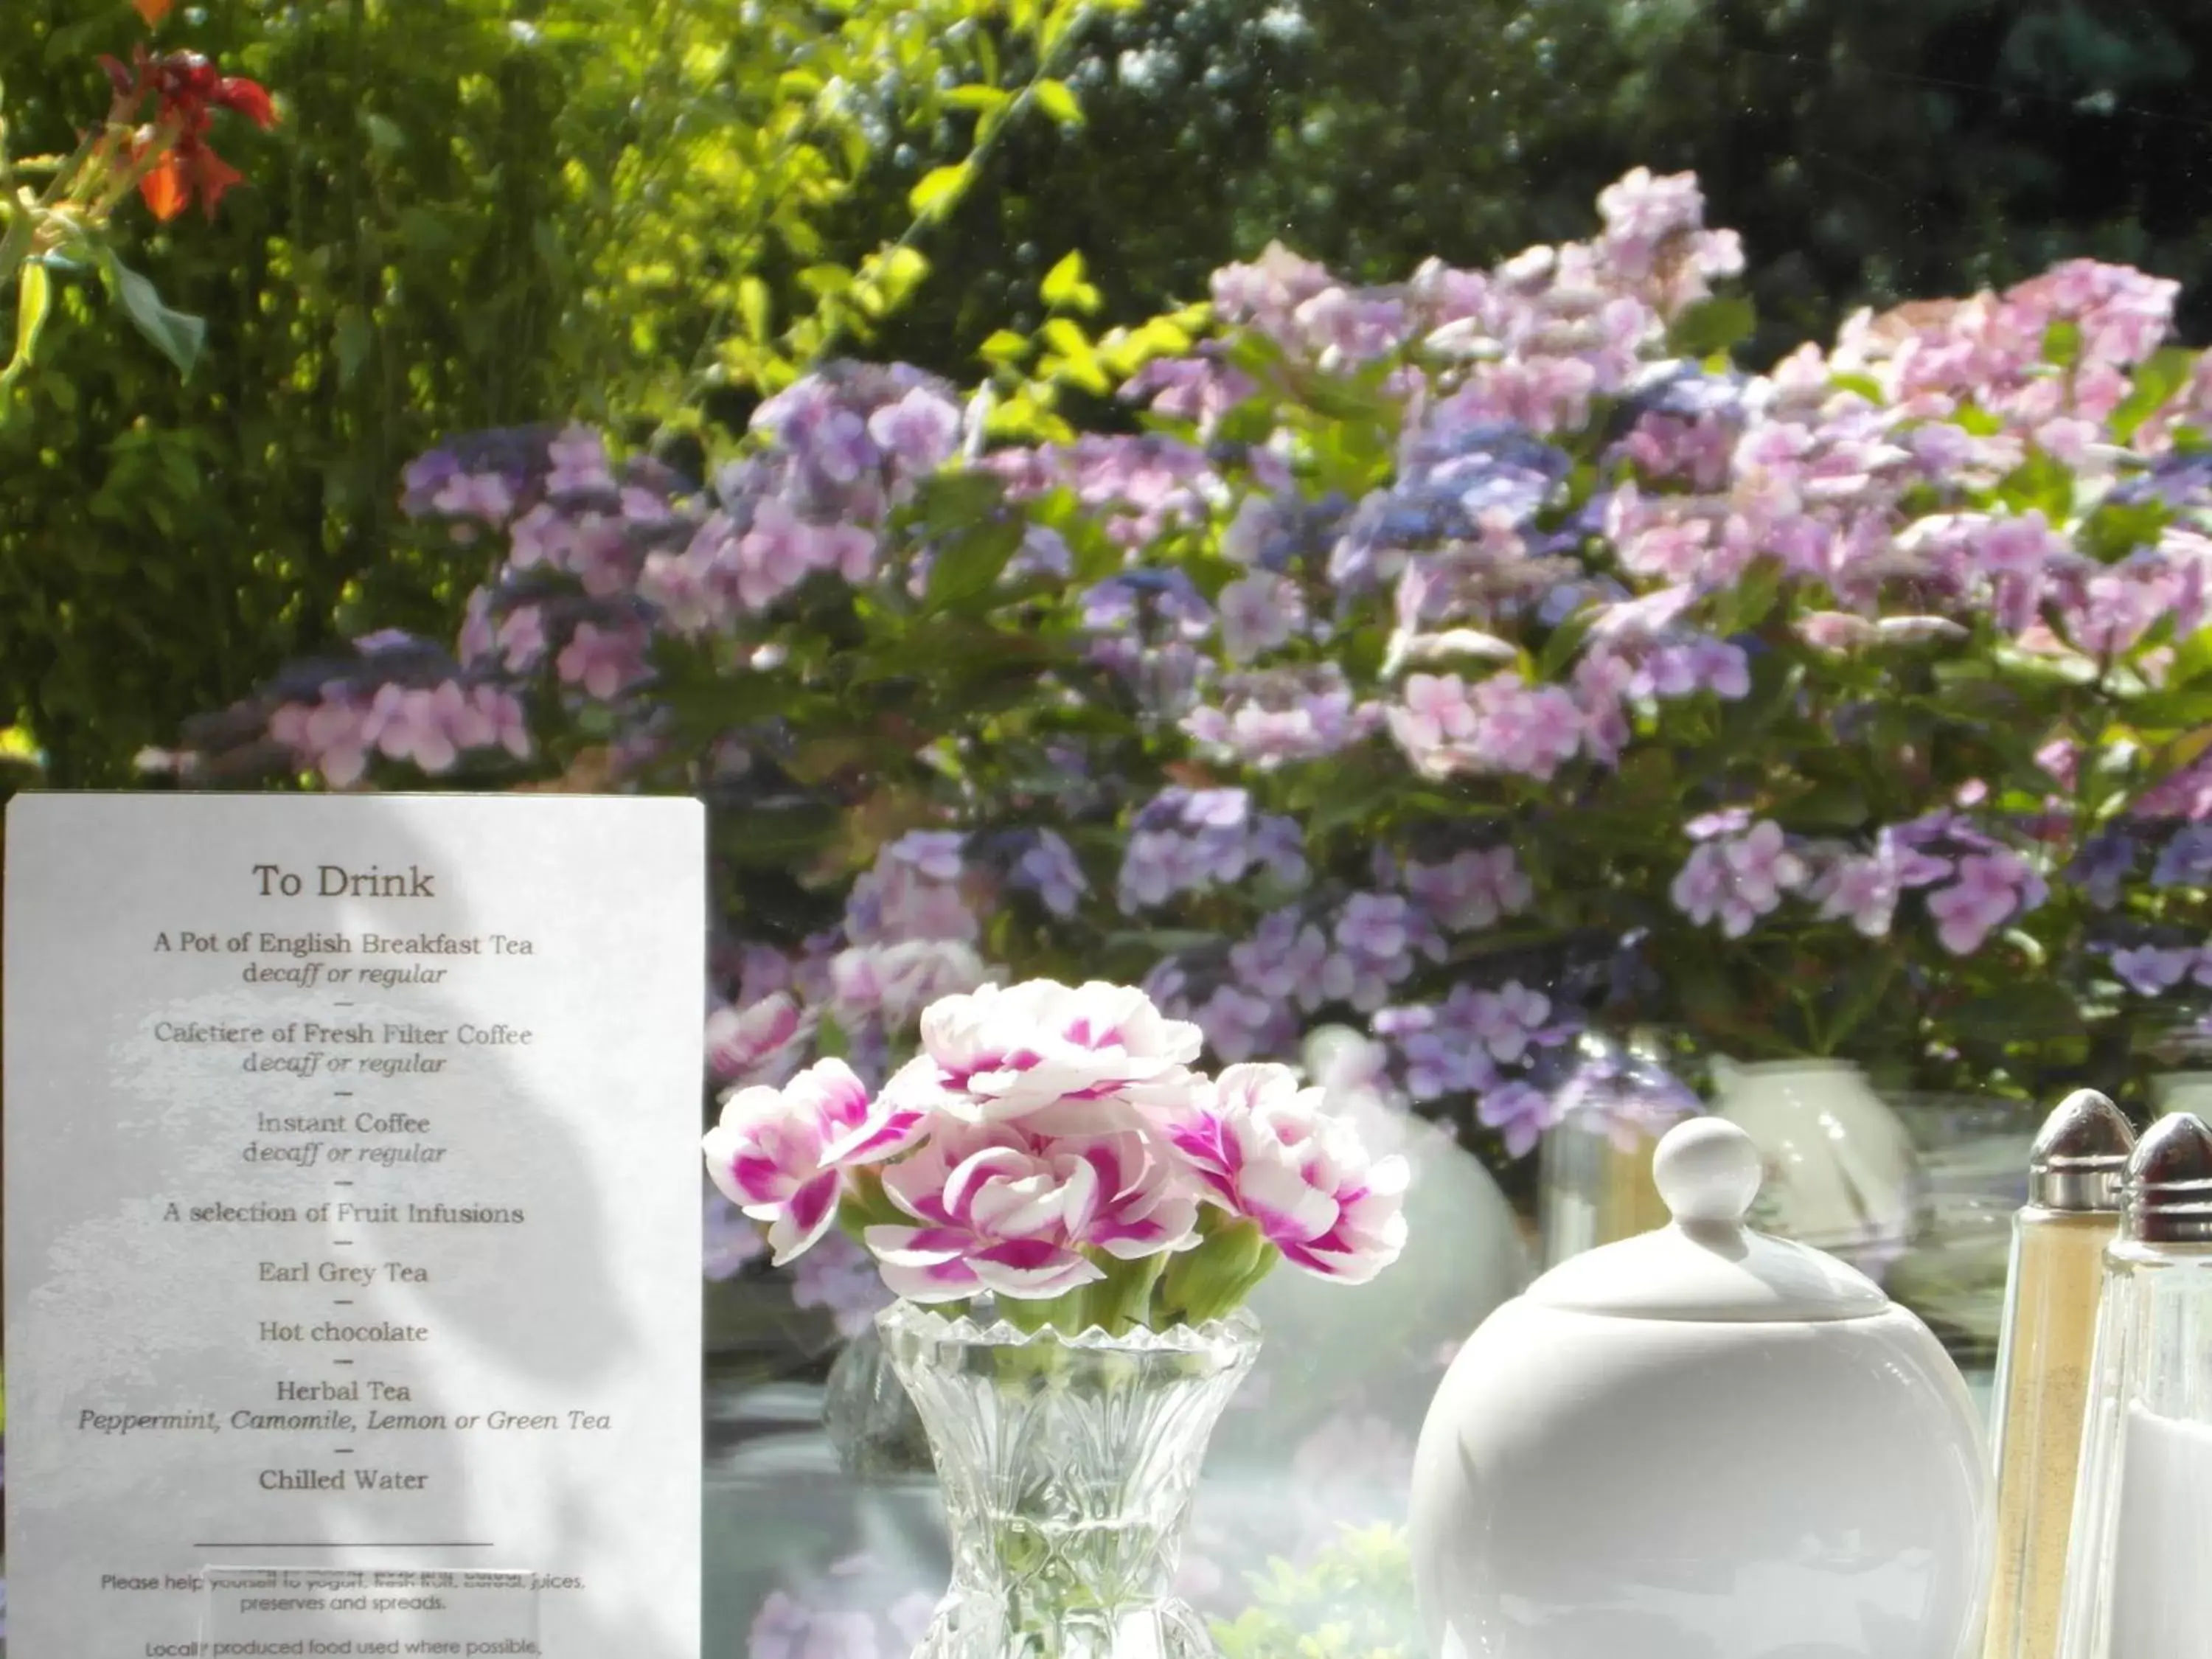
column 1188, row 841
column 1522, row 572
column 1269, row 718
column 1140, row 488
column 1971, row 885
column 1257, row 998
column 1484, row 1043
column 1501, row 724
column 840, row 1277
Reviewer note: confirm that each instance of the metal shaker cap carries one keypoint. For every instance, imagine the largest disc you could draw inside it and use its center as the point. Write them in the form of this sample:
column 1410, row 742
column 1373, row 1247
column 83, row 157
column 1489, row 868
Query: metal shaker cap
column 2079, row 1158
column 2169, row 1193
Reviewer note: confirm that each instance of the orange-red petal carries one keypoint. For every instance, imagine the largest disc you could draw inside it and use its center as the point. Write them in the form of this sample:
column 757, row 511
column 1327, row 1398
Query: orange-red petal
column 211, row 176
column 165, row 187
column 152, row 11
column 247, row 98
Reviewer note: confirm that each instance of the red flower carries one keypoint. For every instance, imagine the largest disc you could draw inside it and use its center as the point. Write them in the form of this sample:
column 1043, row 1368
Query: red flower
column 187, row 90
column 247, row 98
column 187, row 169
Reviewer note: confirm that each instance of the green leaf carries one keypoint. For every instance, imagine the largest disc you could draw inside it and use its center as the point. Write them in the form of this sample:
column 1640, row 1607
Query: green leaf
column 1057, row 99
column 978, row 98
column 352, row 343
column 1711, row 327
column 2042, row 482
column 1005, row 346
column 34, row 299
column 1065, row 289
column 779, row 836
column 940, row 187
column 178, row 337
column 2116, row 529
column 385, row 135
column 826, row 280
column 753, row 307
column 2062, row 344
column 972, row 561
column 2160, row 377
column 2027, row 1007
column 1829, row 806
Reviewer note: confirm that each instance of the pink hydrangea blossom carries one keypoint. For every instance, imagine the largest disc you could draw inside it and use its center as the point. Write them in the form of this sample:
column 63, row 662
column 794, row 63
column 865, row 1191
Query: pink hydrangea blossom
column 1991, row 888
column 1501, row 724
column 1257, row 613
column 731, row 1240
column 1736, row 880
column 1520, row 1112
column 895, row 982
column 2150, row 971
column 841, row 1279
column 1475, row 890
column 1508, row 1021
column 602, row 661
column 580, row 464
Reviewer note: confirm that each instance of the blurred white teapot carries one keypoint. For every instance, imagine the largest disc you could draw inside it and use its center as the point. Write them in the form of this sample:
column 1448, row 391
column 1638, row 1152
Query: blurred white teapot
column 1701, row 1443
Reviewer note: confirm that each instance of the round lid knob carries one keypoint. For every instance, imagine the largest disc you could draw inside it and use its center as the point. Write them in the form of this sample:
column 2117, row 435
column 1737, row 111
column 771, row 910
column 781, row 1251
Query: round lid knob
column 1707, row 1169
column 1709, row 1266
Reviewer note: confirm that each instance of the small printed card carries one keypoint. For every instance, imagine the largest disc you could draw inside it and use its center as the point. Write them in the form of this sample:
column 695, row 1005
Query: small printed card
column 353, row 1221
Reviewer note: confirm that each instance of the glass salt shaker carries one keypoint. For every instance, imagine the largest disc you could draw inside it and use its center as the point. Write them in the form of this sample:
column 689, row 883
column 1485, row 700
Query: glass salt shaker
column 2076, row 1170
column 2141, row 1534
column 1594, row 1166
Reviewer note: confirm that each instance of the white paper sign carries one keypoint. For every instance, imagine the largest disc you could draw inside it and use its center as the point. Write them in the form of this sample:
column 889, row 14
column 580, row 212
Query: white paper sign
column 353, row 1208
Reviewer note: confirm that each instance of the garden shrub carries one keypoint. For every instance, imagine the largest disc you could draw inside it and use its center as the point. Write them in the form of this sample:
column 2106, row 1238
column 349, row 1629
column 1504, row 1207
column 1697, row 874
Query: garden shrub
column 1478, row 660
column 466, row 219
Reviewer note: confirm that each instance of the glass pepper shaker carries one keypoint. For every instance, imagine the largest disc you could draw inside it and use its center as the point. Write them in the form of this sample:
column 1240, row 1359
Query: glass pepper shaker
column 1594, row 1166
column 2141, row 1535
column 2075, row 1170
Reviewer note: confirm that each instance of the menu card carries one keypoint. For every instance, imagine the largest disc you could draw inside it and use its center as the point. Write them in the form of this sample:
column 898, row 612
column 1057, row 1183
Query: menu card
column 353, row 1214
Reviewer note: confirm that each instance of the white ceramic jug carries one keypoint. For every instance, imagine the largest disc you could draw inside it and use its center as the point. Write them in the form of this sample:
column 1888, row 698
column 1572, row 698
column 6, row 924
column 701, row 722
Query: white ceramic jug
column 1841, row 1174
column 1704, row 1443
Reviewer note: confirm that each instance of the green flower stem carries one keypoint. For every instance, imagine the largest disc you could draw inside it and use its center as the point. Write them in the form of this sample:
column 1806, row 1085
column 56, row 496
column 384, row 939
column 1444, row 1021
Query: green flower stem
column 1027, row 1316
column 867, row 1205
column 1124, row 1297
column 1212, row 1280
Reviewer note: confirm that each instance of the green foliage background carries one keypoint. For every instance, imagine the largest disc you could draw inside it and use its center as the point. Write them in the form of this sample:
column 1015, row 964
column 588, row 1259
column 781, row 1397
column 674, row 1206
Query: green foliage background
column 1869, row 150
column 480, row 212
column 474, row 214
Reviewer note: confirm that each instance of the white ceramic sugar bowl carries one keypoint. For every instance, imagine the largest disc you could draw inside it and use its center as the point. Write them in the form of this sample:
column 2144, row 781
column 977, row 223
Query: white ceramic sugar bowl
column 1703, row 1443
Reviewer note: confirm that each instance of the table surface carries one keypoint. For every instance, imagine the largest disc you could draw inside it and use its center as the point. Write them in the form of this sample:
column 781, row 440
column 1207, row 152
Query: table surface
column 791, row 1537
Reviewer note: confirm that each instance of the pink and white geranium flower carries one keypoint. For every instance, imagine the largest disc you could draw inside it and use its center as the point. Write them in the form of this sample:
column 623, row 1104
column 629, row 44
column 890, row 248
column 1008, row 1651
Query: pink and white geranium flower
column 769, row 1154
column 998, row 1054
column 995, row 1212
column 1008, row 1212
column 1046, row 1136
column 1270, row 1152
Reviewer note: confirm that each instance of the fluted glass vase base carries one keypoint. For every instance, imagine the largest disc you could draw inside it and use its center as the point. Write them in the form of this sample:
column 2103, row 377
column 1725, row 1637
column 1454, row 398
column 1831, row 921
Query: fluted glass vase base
column 1067, row 1464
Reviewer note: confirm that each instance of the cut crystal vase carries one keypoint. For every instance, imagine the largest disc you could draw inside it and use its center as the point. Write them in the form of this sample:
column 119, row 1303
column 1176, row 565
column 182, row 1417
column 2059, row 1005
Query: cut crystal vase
column 1068, row 1464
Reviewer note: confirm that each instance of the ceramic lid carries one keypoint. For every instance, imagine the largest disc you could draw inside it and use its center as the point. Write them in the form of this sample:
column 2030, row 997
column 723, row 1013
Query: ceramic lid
column 1707, row 1265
